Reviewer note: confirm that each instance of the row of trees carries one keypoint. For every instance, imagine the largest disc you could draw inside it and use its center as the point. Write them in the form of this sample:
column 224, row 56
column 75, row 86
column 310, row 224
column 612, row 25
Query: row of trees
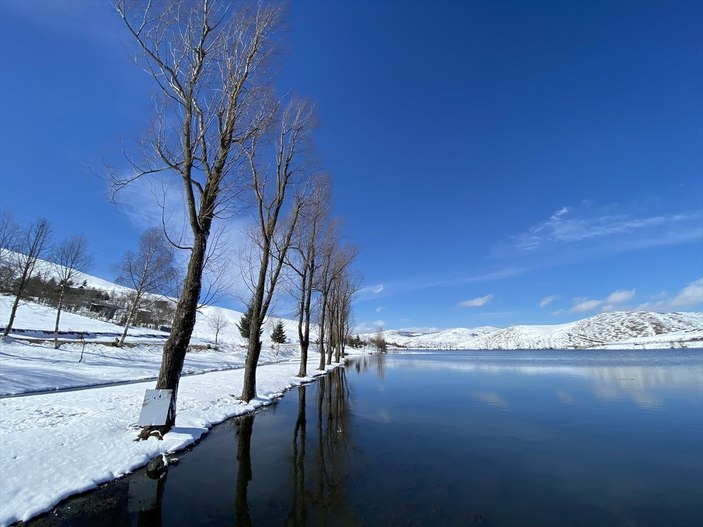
column 223, row 135
column 21, row 249
column 149, row 273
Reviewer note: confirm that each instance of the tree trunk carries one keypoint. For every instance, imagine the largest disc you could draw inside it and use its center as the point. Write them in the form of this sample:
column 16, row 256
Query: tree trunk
column 252, row 360
column 304, row 323
column 130, row 316
column 22, row 284
column 176, row 346
column 302, row 371
column 255, row 322
column 58, row 316
column 13, row 311
column 322, row 332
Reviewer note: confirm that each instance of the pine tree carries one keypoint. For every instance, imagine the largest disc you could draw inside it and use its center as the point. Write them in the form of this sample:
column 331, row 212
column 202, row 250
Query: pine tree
column 278, row 335
column 244, row 322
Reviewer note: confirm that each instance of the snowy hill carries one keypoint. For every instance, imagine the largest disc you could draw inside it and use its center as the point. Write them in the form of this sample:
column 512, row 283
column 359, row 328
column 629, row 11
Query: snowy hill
column 624, row 329
column 39, row 319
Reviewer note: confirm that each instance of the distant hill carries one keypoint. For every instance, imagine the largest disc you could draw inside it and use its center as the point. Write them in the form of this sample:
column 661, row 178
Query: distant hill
column 622, row 329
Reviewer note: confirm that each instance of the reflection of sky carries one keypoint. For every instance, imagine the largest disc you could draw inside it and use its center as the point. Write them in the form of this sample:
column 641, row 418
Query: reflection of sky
column 641, row 378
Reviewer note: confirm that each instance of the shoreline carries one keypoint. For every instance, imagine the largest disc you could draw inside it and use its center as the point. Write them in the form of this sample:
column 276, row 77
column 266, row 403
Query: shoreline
column 87, row 436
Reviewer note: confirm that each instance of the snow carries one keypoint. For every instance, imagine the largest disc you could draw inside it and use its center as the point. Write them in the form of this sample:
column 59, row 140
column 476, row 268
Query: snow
column 58, row 444
column 616, row 330
column 88, row 435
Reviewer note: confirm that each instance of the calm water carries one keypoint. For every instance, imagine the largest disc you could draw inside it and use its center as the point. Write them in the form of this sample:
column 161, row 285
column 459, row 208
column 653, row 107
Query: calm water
column 445, row 438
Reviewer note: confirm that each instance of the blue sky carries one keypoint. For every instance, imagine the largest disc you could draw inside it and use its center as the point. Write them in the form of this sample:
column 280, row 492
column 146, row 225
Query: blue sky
column 497, row 163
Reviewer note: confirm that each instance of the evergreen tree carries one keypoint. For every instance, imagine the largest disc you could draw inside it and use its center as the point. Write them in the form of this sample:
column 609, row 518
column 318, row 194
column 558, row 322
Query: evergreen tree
column 244, row 323
column 278, row 335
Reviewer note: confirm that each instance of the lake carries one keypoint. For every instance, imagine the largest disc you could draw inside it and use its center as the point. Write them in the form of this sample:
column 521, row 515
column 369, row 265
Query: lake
column 444, row 438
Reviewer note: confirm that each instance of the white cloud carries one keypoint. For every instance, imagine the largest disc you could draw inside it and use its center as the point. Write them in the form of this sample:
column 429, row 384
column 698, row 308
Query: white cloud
column 570, row 225
column 690, row 295
column 476, row 302
column 583, row 305
column 548, row 300
column 612, row 302
column 620, row 296
column 380, row 308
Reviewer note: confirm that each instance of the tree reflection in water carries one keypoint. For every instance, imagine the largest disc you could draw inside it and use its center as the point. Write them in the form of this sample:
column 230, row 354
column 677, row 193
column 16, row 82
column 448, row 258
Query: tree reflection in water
column 362, row 364
column 245, row 426
column 319, row 493
column 199, row 489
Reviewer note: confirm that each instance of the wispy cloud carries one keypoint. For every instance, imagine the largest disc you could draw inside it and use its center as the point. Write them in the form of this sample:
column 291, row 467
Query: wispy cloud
column 582, row 305
column 612, row 302
column 548, row 300
column 370, row 291
column 388, row 289
column 476, row 302
column 370, row 327
column 620, row 296
column 601, row 226
column 690, row 296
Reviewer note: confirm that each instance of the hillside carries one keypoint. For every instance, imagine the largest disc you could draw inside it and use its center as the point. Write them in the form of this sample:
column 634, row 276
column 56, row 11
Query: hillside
column 38, row 320
column 623, row 329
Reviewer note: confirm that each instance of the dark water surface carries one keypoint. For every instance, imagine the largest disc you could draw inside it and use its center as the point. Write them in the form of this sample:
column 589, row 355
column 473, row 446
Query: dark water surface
column 445, row 438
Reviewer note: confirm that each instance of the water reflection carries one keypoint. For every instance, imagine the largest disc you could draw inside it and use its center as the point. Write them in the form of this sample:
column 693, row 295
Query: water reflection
column 443, row 439
column 146, row 498
column 245, row 427
column 613, row 375
column 232, row 477
column 330, row 465
column 362, row 363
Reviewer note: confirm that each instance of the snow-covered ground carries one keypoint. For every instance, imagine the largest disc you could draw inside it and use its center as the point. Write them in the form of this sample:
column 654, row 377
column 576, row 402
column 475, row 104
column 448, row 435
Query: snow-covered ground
column 58, row 444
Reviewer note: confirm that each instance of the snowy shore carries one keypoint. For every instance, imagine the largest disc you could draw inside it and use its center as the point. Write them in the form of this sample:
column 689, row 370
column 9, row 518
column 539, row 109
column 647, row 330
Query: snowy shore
column 59, row 444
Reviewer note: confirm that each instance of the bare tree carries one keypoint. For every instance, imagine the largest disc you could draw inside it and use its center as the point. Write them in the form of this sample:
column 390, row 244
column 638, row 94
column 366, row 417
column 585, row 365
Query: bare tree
column 304, row 259
column 271, row 185
column 217, row 322
column 151, row 270
column 206, row 58
column 9, row 232
column 335, row 260
column 31, row 246
column 70, row 257
column 339, row 316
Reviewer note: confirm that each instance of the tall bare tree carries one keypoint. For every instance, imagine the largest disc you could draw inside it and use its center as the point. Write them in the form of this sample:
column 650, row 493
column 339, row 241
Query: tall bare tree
column 339, row 317
column 304, row 259
column 271, row 183
column 70, row 257
column 31, row 245
column 336, row 259
column 206, row 58
column 151, row 270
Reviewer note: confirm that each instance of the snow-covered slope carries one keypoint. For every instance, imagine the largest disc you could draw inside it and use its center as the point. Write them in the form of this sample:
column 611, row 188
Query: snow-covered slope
column 617, row 329
column 38, row 318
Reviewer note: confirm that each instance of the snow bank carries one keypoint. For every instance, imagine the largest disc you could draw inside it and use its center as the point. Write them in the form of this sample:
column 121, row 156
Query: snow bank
column 56, row 445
